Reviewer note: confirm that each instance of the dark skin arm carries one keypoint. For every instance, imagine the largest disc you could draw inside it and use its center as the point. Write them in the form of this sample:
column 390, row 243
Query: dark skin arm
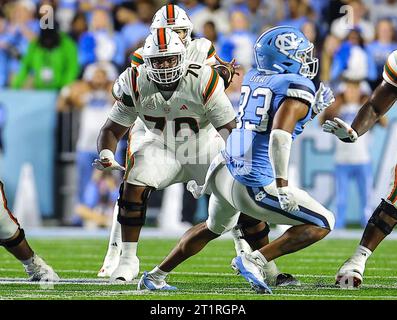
column 110, row 134
column 377, row 105
column 290, row 112
column 225, row 130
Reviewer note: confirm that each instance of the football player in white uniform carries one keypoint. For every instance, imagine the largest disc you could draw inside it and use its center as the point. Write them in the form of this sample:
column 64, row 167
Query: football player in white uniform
column 384, row 217
column 183, row 105
column 12, row 238
column 249, row 234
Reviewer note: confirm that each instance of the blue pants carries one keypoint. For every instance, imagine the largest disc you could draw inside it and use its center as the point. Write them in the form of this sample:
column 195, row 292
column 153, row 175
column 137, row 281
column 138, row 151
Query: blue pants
column 362, row 174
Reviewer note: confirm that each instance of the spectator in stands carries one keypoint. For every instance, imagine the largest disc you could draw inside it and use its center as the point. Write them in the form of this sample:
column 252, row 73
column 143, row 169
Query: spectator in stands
column 51, row 60
column 341, row 27
column 100, row 42
column 93, row 99
column 97, row 205
column 78, row 26
column 382, row 46
column 350, row 96
column 309, row 29
column 192, row 7
column 299, row 13
column 352, row 61
column 211, row 12
column 65, row 14
column 238, row 40
column 133, row 30
column 385, row 9
column 18, row 32
column 329, row 48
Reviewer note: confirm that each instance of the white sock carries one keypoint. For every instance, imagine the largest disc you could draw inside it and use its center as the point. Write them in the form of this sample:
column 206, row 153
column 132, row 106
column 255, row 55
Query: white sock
column 115, row 232
column 128, row 251
column 27, row 262
column 362, row 254
column 158, row 274
column 260, row 256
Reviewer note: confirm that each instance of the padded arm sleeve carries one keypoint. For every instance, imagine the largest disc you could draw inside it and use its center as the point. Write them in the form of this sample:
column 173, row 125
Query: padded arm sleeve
column 279, row 152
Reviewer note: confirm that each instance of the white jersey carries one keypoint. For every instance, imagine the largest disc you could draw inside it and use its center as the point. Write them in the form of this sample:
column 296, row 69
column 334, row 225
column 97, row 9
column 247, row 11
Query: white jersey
column 390, row 69
column 198, row 105
column 200, row 50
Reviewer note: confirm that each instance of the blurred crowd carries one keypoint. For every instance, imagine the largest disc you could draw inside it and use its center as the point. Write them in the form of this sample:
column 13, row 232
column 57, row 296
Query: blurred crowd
column 91, row 41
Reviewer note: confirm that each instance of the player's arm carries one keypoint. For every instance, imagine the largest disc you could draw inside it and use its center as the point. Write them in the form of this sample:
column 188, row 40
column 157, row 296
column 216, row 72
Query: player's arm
column 218, row 107
column 381, row 100
column 289, row 113
column 120, row 119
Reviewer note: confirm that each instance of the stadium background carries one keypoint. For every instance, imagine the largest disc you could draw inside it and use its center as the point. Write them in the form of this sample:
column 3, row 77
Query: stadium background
column 32, row 131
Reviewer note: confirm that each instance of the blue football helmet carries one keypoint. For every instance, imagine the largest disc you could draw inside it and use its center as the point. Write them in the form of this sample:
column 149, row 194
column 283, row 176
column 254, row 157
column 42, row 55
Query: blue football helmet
column 285, row 49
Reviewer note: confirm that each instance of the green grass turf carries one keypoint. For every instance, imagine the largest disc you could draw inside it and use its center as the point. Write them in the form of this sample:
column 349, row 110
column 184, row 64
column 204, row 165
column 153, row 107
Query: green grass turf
column 205, row 276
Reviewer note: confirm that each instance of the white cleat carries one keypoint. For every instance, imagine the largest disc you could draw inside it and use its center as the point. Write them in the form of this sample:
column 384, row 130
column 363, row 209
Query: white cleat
column 126, row 271
column 248, row 267
column 110, row 264
column 350, row 275
column 148, row 283
column 40, row 271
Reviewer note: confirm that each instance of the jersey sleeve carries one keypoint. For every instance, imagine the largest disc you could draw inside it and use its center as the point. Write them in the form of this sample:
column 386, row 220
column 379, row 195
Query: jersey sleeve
column 211, row 54
column 390, row 69
column 301, row 88
column 136, row 57
column 218, row 107
column 123, row 111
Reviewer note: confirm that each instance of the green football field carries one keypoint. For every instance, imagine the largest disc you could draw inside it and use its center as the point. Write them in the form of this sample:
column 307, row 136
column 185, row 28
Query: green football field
column 205, row 276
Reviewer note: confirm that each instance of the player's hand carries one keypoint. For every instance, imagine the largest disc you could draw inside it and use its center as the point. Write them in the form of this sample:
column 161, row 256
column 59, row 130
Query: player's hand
column 287, row 200
column 231, row 66
column 106, row 162
column 341, row 129
column 323, row 98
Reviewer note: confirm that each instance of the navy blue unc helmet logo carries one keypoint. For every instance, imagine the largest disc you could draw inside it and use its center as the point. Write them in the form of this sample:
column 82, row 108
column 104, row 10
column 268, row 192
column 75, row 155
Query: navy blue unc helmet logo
column 285, row 50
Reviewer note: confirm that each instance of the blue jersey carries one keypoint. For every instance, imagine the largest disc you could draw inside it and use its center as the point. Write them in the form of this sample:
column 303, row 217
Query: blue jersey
column 247, row 147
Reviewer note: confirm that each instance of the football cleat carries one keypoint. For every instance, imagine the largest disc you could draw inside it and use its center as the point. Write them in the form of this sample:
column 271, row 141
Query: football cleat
column 39, row 271
column 110, row 264
column 350, row 275
column 286, row 280
column 247, row 267
column 147, row 282
column 126, row 271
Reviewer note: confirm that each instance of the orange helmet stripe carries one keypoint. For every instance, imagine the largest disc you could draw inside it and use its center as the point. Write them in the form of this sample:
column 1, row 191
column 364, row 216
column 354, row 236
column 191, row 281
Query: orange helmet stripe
column 161, row 38
column 170, row 14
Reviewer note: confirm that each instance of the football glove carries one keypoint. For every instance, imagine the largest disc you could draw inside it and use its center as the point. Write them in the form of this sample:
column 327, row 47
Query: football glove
column 106, row 162
column 287, row 200
column 231, row 66
column 323, row 98
column 341, row 129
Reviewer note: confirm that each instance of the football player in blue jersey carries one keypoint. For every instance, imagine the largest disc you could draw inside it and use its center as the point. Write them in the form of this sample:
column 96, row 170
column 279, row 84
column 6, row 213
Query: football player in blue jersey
column 277, row 99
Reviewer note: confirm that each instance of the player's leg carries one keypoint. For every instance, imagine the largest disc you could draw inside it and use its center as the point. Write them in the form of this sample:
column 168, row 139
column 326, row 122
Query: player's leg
column 221, row 217
column 310, row 224
column 381, row 224
column 152, row 167
column 12, row 238
column 135, row 139
column 251, row 234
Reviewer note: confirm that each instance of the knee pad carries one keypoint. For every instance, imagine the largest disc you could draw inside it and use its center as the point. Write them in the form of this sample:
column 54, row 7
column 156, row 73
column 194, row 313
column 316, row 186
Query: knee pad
column 255, row 235
column 377, row 220
column 14, row 242
column 134, row 206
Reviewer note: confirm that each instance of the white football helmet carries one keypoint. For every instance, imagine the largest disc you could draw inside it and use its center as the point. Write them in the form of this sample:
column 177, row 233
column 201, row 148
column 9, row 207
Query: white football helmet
column 164, row 56
column 173, row 17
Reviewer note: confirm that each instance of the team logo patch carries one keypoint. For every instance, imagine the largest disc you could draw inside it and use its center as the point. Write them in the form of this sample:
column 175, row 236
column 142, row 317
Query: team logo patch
column 287, row 41
column 151, row 106
column 183, row 107
column 260, row 195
